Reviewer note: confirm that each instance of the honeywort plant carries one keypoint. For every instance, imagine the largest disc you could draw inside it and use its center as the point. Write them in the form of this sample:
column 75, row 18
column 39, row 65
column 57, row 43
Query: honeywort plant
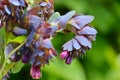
column 26, row 31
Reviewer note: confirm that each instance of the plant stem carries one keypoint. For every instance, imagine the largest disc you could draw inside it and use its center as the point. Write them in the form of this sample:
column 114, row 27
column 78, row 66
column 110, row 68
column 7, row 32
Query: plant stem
column 4, row 64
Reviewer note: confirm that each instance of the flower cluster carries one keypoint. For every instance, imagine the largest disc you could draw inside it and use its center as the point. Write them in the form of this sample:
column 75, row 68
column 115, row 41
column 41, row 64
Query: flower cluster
column 82, row 41
column 39, row 24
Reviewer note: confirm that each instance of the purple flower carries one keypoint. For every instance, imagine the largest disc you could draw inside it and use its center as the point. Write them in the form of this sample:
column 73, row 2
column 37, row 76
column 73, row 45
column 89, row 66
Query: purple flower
column 64, row 55
column 35, row 72
column 82, row 41
column 69, row 59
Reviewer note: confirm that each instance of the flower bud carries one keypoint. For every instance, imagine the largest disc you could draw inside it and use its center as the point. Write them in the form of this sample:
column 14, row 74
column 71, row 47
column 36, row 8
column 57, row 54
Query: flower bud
column 64, row 55
column 69, row 59
column 35, row 72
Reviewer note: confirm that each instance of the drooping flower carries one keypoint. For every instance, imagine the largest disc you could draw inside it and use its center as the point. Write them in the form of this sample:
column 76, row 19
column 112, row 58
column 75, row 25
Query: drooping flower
column 35, row 72
column 85, row 34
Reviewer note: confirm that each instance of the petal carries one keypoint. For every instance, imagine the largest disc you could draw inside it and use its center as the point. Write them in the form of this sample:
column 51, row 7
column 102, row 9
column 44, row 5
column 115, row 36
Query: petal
column 88, row 31
column 62, row 20
column 7, row 10
column 76, row 45
column 65, row 46
column 83, row 41
column 30, row 38
column 70, row 47
column 14, row 2
column 69, row 59
column 83, row 20
column 35, row 21
column 74, row 24
column 47, row 43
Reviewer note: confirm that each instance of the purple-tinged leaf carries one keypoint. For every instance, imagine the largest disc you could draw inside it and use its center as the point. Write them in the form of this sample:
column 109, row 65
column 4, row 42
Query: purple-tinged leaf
column 7, row 10
column 15, row 2
column 76, row 45
column 88, row 31
column 83, row 41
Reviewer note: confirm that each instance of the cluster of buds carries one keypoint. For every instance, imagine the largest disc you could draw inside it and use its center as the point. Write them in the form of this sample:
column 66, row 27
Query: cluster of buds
column 39, row 24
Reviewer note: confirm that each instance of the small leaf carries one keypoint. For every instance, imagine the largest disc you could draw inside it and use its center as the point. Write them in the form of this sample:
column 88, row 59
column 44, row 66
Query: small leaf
column 2, row 44
column 18, row 39
column 53, row 17
column 17, row 67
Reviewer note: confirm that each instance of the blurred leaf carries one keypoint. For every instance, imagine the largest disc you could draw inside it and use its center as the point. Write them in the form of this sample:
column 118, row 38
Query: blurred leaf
column 17, row 67
column 2, row 44
column 18, row 39
column 65, row 72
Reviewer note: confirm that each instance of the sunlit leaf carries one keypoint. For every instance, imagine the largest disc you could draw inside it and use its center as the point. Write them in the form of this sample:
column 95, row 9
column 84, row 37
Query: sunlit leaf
column 17, row 67
column 2, row 44
column 18, row 39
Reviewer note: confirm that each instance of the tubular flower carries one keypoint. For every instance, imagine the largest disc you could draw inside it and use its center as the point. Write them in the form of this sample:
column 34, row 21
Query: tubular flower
column 35, row 72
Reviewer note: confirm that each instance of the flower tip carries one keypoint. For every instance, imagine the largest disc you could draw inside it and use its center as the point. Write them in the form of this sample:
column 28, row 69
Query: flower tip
column 64, row 55
column 69, row 60
column 35, row 72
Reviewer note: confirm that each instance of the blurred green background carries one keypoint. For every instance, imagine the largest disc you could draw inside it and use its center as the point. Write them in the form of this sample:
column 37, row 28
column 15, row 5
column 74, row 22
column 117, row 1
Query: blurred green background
column 102, row 62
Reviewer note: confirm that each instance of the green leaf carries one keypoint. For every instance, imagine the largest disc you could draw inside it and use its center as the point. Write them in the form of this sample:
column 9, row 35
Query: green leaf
column 17, row 67
column 2, row 44
column 18, row 39
column 53, row 17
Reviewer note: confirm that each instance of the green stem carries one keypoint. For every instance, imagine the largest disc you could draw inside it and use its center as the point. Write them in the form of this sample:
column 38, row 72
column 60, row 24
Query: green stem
column 4, row 64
